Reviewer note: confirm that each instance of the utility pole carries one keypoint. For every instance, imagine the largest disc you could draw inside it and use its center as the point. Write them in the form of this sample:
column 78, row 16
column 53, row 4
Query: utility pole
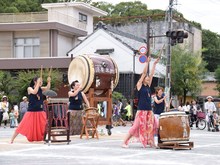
column 148, row 41
column 168, row 67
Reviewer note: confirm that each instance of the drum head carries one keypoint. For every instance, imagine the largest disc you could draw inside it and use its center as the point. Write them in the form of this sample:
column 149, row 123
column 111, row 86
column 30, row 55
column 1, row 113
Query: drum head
column 116, row 74
column 172, row 113
column 81, row 69
column 94, row 71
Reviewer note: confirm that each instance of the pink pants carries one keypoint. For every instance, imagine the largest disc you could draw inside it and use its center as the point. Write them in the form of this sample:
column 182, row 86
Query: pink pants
column 144, row 127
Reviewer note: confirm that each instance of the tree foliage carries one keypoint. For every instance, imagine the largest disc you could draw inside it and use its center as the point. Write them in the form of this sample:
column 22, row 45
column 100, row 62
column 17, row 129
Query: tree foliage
column 187, row 73
column 125, row 12
column 211, row 47
column 15, row 85
column 217, row 77
column 7, row 85
column 15, row 6
column 116, row 96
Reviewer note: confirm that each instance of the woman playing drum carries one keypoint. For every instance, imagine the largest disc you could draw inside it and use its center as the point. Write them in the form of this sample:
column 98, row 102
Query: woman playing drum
column 76, row 98
column 144, row 124
column 34, row 121
column 159, row 102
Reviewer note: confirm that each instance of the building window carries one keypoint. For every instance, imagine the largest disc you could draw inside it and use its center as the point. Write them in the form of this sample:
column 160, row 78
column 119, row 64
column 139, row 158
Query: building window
column 27, row 47
column 104, row 51
column 82, row 18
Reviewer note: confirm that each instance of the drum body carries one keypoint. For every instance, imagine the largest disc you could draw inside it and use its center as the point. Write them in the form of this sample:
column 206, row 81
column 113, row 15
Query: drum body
column 57, row 114
column 94, row 71
column 174, row 126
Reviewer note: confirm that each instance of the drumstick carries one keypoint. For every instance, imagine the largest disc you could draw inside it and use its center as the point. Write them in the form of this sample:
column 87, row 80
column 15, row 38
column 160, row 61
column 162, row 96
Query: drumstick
column 159, row 54
column 50, row 71
column 41, row 72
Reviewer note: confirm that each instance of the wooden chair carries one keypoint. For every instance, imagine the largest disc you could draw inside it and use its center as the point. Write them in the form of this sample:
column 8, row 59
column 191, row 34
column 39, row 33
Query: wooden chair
column 57, row 123
column 90, row 123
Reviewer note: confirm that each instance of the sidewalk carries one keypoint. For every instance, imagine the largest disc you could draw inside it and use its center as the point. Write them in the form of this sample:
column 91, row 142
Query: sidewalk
column 107, row 151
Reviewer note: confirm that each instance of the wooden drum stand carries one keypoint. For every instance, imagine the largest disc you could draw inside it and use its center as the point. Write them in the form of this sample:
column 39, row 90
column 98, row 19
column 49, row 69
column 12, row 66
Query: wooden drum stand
column 94, row 99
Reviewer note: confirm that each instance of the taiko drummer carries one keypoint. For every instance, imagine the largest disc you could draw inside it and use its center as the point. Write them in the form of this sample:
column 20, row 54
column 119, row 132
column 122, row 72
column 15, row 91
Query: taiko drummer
column 34, row 121
column 144, row 125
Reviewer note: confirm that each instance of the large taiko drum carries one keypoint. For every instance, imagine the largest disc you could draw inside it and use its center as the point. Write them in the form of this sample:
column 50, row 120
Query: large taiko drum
column 94, row 71
column 174, row 126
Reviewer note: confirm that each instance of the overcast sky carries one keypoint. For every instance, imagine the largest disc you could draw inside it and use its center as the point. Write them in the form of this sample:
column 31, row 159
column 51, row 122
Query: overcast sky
column 205, row 12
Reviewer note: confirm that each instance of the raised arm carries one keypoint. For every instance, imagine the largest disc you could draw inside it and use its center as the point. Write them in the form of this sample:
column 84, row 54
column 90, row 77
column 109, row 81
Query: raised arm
column 35, row 90
column 153, row 70
column 144, row 73
column 48, row 84
column 70, row 93
column 160, row 100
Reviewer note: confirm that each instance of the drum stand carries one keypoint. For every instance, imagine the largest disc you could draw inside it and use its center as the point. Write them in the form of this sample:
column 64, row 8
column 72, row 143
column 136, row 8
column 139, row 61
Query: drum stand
column 57, row 123
column 94, row 99
column 176, row 145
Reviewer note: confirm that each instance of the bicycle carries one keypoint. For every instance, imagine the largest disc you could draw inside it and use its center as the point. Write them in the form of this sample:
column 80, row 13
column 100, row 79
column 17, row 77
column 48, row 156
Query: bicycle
column 211, row 126
column 200, row 119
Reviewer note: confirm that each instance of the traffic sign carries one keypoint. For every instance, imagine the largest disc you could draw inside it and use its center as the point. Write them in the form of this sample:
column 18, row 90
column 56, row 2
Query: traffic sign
column 143, row 50
column 143, row 59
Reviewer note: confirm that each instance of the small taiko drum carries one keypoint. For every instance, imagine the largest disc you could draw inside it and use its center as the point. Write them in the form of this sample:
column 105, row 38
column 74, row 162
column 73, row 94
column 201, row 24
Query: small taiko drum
column 57, row 114
column 174, row 126
column 94, row 71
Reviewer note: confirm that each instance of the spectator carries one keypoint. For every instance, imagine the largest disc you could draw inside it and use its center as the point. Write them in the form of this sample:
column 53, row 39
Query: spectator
column 194, row 109
column 128, row 108
column 210, row 108
column 4, row 105
column 23, row 107
column 186, row 108
column 120, row 105
column 216, row 123
column 117, row 120
column 12, row 118
column 16, row 114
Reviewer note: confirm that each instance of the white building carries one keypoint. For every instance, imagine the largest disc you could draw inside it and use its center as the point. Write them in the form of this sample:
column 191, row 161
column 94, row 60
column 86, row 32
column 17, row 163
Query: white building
column 123, row 49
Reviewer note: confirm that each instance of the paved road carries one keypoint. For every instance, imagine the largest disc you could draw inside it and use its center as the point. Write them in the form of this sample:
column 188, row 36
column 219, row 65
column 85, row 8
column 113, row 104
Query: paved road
column 107, row 151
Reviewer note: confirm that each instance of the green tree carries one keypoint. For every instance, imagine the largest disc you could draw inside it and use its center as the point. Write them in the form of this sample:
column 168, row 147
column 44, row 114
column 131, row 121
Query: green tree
column 14, row 85
column 16, row 6
column 105, row 6
column 116, row 96
column 217, row 77
column 125, row 12
column 130, row 9
column 211, row 47
column 7, row 86
column 188, row 70
column 24, row 78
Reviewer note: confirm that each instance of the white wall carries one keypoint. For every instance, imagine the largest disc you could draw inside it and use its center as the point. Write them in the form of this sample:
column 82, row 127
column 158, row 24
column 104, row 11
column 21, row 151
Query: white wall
column 64, row 45
column 101, row 40
column 89, row 25
column 68, row 13
column 122, row 55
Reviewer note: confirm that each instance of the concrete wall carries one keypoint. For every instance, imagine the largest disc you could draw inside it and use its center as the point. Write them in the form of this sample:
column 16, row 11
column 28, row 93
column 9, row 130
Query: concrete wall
column 44, row 40
column 209, row 88
column 6, row 42
column 159, row 28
